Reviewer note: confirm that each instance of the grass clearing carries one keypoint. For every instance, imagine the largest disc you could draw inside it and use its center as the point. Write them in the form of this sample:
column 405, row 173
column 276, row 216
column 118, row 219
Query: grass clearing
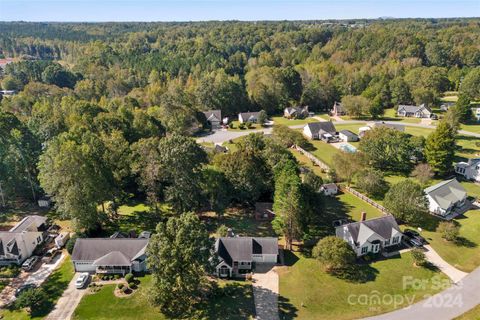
column 324, row 151
column 280, row 120
column 322, row 296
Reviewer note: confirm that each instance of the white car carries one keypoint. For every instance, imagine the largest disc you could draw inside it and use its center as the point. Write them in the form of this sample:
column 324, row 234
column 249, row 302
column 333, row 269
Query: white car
column 81, row 280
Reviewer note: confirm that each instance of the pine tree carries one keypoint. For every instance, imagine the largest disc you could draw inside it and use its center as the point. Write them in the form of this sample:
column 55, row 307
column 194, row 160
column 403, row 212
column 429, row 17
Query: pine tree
column 440, row 148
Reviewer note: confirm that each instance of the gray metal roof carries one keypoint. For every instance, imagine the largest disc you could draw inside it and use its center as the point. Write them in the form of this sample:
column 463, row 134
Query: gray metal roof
column 447, row 193
column 362, row 230
column 28, row 221
column 91, row 249
column 326, row 126
column 348, row 133
column 114, row 258
column 242, row 248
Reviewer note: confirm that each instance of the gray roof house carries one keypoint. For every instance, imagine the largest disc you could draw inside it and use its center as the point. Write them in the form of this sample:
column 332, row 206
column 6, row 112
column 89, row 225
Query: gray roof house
column 320, row 130
column 338, row 109
column 347, row 135
column 295, row 112
column 421, row 111
column 248, row 117
column 446, row 196
column 237, row 255
column 18, row 243
column 214, row 118
column 371, row 236
column 110, row 255
column 470, row 170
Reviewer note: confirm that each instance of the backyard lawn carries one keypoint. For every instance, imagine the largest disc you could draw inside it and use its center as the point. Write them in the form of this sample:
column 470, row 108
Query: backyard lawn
column 291, row 122
column 322, row 296
column 323, row 151
column 473, row 314
column 234, row 302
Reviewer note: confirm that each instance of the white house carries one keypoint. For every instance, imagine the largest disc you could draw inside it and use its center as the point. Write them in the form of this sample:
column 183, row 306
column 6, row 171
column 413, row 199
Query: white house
column 476, row 113
column 470, row 170
column 19, row 243
column 295, row 112
column 347, row 136
column 110, row 255
column 238, row 255
column 320, row 130
column 421, row 111
column 329, row 189
column 370, row 236
column 248, row 117
column 445, row 196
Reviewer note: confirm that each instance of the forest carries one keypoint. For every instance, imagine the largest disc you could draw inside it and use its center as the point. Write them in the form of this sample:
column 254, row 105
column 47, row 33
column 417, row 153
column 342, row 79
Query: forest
column 104, row 111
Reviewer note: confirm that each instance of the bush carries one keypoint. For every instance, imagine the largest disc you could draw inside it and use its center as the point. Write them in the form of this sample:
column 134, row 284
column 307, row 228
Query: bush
column 120, row 286
column 418, row 256
column 129, row 277
column 33, row 299
column 71, row 243
column 126, row 290
column 449, row 230
column 372, row 182
column 241, row 126
column 249, row 125
column 334, row 253
column 230, row 125
column 9, row 271
column 116, row 277
column 132, row 285
column 222, row 230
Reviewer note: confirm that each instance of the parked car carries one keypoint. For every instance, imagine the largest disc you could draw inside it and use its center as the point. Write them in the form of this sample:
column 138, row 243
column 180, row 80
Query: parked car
column 48, row 257
column 414, row 235
column 23, row 288
column 81, row 280
column 29, row 263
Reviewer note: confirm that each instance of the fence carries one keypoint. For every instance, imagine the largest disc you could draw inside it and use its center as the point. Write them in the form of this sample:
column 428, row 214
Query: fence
column 366, row 199
column 314, row 159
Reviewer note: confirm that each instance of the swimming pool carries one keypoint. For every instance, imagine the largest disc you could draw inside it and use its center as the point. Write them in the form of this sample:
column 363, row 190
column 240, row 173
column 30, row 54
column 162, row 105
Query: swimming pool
column 347, row 148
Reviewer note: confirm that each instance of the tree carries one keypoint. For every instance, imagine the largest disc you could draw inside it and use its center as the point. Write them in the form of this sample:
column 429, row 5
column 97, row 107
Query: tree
column 449, row 230
column 288, row 203
column 312, row 181
column 11, row 83
column 33, row 299
column 372, row 182
column 400, row 92
column 406, row 201
column 178, row 257
column 57, row 75
column 356, row 106
column 423, row 172
column 471, row 84
column 288, row 137
column 262, row 117
column 347, row 164
column 334, row 253
column 216, row 189
column 463, row 109
column 440, row 148
column 222, row 231
column 419, row 258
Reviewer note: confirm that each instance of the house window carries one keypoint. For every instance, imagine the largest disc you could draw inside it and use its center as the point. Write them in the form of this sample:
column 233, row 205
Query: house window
column 364, row 250
column 387, row 242
column 395, row 240
column 39, row 239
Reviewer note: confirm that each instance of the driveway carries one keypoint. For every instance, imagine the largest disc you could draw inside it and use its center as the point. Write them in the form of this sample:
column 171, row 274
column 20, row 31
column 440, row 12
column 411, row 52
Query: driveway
column 446, row 305
column 68, row 302
column 434, row 258
column 265, row 292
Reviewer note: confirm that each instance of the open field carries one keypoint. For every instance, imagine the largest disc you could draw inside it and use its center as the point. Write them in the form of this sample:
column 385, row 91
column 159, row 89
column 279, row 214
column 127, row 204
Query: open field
column 322, row 296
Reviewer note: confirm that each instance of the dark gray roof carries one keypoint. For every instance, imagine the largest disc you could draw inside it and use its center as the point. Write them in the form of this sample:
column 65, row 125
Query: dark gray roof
column 447, row 193
column 28, row 221
column 338, row 106
column 413, row 109
column 348, row 133
column 215, row 113
column 114, row 258
column 241, row 248
column 326, row 126
column 247, row 115
column 91, row 249
column 382, row 226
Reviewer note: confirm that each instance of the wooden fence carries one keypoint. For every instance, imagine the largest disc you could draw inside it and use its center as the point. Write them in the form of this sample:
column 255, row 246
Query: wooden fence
column 366, row 199
column 314, row 159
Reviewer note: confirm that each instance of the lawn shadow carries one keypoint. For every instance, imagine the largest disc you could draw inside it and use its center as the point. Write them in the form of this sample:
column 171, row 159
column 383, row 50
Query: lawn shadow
column 138, row 221
column 287, row 311
column 464, row 242
column 289, row 258
column 359, row 273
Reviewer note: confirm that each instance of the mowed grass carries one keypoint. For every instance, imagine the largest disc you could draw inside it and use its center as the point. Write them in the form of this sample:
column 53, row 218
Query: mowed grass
column 473, row 314
column 324, row 151
column 280, row 120
column 235, row 301
column 465, row 253
column 305, row 162
column 54, row 286
column 322, row 296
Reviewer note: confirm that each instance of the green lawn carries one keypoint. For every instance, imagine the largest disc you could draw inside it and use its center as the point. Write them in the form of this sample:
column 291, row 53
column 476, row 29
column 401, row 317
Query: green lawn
column 234, row 302
column 347, row 205
column 304, row 161
column 321, row 296
column 323, row 151
column 54, row 286
column 473, row 314
column 472, row 127
column 280, row 120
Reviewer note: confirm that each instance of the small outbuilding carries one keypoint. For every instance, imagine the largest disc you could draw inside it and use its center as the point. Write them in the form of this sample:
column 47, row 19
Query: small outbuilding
column 347, row 136
column 329, row 189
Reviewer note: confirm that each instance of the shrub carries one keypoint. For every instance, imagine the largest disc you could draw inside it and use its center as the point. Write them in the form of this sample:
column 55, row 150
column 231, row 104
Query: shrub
column 120, row 286
column 33, row 299
column 241, row 126
column 222, row 230
column 230, row 125
column 116, row 277
column 418, row 256
column 334, row 253
column 248, row 124
column 129, row 277
column 449, row 230
column 126, row 290
column 132, row 285
column 71, row 243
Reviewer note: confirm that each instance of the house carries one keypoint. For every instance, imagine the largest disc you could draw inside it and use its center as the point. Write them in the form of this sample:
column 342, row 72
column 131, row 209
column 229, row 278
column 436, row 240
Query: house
column 44, row 202
column 421, row 111
column 296, row 112
column 110, row 255
column 476, row 113
column 320, row 130
column 329, row 189
column 379, row 124
column 264, row 211
column 370, row 236
column 19, row 243
column 238, row 255
column 337, row 109
column 446, row 105
column 347, row 136
column 214, row 118
column 445, row 197
column 248, row 117
column 470, row 170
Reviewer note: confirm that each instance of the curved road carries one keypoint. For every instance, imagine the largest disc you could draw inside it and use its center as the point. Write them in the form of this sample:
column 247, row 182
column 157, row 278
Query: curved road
column 221, row 136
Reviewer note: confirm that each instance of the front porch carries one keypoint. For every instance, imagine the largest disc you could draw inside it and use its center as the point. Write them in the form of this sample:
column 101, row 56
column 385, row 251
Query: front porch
column 113, row 270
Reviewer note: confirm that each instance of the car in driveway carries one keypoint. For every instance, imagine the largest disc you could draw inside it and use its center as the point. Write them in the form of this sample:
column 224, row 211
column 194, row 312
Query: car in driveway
column 82, row 280
column 29, row 263
column 24, row 288
column 412, row 234
column 48, row 257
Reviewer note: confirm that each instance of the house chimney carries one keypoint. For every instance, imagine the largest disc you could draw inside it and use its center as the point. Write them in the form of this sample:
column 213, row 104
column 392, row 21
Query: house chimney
column 230, row 233
column 363, row 217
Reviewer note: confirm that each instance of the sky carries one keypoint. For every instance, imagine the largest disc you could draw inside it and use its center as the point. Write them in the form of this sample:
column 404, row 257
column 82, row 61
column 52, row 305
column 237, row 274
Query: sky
column 196, row 10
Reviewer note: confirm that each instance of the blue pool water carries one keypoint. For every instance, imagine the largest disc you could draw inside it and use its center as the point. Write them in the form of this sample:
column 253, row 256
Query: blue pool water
column 348, row 148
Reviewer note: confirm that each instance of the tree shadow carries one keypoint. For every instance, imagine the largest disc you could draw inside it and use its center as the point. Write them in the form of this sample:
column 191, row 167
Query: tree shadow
column 287, row 311
column 289, row 258
column 464, row 242
column 358, row 273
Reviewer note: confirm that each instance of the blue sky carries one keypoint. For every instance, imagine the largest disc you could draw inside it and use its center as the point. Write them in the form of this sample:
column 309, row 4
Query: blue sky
column 194, row 10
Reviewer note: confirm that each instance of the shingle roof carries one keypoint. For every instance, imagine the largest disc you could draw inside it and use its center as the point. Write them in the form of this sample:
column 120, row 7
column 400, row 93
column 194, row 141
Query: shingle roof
column 213, row 115
column 348, row 133
column 91, row 249
column 362, row 230
column 446, row 193
column 241, row 248
column 247, row 115
column 413, row 109
column 327, row 126
column 27, row 222
column 114, row 258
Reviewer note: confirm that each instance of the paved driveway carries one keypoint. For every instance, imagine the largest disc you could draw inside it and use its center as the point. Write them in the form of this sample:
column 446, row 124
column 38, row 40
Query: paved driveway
column 434, row 258
column 265, row 292
column 68, row 302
